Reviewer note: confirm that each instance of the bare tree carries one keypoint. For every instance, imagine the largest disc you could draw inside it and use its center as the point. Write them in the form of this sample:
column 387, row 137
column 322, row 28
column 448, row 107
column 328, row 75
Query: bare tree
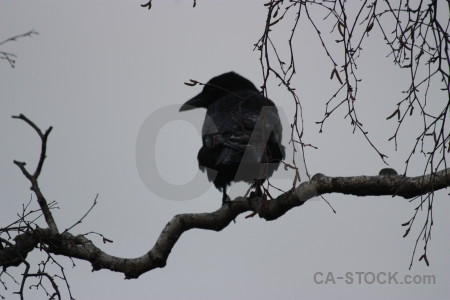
column 417, row 39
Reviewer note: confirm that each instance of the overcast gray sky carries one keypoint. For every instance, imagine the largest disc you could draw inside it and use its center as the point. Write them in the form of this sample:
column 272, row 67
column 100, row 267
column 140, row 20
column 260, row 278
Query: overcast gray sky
column 98, row 69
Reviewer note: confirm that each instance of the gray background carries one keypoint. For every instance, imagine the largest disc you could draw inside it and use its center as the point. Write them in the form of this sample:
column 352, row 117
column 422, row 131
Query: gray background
column 98, row 69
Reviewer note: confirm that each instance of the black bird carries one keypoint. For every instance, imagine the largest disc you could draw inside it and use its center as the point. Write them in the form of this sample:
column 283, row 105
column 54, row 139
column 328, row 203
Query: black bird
column 241, row 133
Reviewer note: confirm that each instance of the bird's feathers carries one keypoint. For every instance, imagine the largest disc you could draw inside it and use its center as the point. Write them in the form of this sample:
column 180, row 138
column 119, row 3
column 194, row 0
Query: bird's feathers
column 241, row 133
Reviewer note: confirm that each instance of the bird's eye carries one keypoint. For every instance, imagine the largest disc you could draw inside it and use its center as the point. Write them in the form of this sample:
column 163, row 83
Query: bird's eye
column 210, row 89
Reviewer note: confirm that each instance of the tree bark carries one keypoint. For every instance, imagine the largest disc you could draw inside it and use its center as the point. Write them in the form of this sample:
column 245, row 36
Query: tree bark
column 387, row 183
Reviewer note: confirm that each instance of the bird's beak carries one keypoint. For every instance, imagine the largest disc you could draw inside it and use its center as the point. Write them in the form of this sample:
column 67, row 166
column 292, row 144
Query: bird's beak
column 198, row 101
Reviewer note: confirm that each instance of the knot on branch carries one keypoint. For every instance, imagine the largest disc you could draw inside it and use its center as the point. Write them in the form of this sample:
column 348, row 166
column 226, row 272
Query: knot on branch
column 387, row 172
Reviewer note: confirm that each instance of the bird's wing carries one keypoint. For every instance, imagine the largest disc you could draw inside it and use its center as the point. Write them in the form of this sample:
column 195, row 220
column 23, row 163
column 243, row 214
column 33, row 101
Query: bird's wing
column 241, row 125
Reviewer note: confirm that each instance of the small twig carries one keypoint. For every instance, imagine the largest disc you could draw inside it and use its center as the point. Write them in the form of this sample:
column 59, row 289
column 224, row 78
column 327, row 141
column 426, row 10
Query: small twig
column 84, row 216
column 10, row 57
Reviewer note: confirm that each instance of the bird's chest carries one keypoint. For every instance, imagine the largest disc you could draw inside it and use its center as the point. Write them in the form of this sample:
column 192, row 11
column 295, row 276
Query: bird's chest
column 227, row 127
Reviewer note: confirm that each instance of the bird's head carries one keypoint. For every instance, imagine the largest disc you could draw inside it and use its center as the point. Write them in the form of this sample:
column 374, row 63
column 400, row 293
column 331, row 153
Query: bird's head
column 217, row 87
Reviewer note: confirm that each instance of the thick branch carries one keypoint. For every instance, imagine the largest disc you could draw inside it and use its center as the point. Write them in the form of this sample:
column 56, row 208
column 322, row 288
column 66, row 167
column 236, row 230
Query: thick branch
column 388, row 183
column 384, row 184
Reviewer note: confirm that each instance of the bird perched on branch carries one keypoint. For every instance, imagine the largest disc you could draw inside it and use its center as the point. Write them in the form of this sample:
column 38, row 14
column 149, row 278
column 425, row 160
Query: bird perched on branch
column 241, row 133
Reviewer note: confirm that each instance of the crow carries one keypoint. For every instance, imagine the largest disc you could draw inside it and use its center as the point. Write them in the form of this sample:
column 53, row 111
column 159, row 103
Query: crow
column 241, row 134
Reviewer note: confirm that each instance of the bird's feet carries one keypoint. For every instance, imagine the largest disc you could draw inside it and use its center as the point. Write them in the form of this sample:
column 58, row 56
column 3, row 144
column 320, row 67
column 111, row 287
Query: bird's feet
column 226, row 200
column 258, row 191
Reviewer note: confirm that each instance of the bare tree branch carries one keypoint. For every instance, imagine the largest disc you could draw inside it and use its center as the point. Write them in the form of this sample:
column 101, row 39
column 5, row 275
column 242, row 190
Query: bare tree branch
column 388, row 183
column 33, row 178
column 11, row 57
column 84, row 216
column 417, row 40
